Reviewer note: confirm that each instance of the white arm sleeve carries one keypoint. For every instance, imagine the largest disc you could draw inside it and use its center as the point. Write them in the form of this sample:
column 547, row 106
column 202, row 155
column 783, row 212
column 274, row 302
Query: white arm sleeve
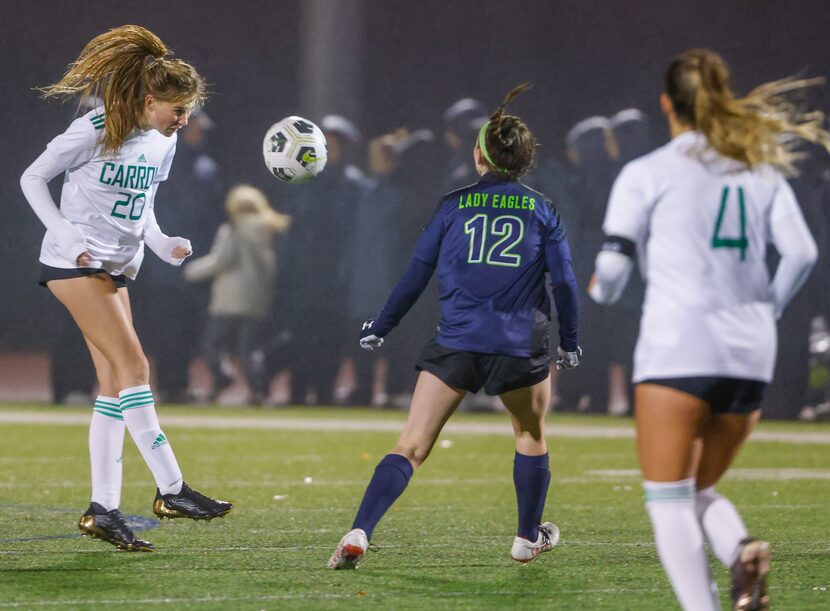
column 611, row 271
column 75, row 147
column 629, row 210
column 794, row 242
column 630, row 204
column 162, row 245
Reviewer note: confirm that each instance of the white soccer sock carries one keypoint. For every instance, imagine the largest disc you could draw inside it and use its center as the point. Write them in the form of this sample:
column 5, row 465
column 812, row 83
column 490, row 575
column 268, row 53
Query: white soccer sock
column 106, row 444
column 722, row 524
column 139, row 411
column 679, row 540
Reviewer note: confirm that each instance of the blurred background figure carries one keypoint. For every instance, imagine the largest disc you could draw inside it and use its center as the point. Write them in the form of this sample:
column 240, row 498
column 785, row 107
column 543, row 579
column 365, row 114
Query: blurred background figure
column 242, row 269
column 462, row 120
column 189, row 204
column 632, row 138
column 800, row 384
column 386, row 217
column 632, row 134
column 372, row 244
column 593, row 155
column 313, row 285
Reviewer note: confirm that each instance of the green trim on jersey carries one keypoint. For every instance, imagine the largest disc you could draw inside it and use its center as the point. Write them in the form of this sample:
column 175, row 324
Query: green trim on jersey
column 97, row 121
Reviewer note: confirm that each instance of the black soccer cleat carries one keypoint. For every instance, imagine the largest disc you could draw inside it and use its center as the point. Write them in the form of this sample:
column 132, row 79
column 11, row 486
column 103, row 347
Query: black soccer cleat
column 189, row 504
column 111, row 527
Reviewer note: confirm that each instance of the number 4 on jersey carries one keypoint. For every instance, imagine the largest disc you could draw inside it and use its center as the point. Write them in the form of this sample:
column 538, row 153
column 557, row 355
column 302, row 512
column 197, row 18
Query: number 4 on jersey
column 740, row 242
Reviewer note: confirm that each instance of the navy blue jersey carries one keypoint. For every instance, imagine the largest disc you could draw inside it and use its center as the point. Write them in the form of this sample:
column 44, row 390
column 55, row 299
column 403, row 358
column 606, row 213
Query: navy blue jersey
column 492, row 243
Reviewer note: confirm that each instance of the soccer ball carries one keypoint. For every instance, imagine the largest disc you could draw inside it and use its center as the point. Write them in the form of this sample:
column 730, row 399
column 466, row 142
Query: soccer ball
column 294, row 150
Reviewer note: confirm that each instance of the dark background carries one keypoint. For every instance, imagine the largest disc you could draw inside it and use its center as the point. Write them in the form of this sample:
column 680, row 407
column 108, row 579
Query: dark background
column 584, row 57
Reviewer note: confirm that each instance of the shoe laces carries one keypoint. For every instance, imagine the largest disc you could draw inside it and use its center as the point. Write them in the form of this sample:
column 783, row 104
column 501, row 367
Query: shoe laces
column 119, row 524
column 197, row 496
column 545, row 535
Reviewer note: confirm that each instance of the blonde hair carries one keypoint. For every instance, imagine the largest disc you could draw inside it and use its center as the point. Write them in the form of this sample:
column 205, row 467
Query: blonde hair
column 247, row 200
column 122, row 66
column 762, row 127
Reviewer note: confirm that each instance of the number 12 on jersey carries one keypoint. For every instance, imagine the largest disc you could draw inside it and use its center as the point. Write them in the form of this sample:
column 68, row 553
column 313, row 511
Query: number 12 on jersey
column 509, row 229
column 740, row 242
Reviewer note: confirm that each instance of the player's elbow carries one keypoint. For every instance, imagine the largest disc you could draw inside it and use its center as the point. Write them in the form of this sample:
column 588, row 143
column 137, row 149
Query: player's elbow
column 26, row 179
column 805, row 255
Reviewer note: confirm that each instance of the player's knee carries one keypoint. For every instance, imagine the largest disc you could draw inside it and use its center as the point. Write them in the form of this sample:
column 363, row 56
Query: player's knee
column 134, row 369
column 529, row 427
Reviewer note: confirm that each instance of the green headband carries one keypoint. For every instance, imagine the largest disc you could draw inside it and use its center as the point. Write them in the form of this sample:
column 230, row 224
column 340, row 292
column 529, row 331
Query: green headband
column 482, row 146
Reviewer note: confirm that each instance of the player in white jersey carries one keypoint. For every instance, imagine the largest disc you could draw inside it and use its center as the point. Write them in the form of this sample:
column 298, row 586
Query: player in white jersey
column 113, row 158
column 699, row 213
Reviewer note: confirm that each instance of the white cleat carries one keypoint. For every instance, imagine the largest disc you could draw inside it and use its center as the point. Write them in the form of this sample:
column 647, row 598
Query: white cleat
column 350, row 550
column 524, row 551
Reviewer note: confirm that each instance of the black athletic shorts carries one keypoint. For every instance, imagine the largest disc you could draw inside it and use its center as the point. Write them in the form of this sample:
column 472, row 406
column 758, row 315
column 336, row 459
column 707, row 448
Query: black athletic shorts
column 497, row 373
column 47, row 273
column 724, row 395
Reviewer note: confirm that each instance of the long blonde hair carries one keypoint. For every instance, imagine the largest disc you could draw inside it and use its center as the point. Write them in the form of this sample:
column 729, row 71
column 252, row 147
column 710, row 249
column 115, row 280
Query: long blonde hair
column 247, row 200
column 762, row 127
column 122, row 66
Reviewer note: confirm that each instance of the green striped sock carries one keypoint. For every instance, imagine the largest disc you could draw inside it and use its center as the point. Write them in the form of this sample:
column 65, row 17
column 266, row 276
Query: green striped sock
column 137, row 396
column 108, row 406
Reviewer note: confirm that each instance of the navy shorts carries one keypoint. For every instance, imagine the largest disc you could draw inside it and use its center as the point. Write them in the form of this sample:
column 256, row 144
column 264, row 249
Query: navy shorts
column 48, row 273
column 497, row 373
column 724, row 395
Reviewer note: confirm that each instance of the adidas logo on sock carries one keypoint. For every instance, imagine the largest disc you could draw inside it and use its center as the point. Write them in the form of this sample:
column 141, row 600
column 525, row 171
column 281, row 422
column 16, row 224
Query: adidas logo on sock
column 160, row 441
column 142, row 158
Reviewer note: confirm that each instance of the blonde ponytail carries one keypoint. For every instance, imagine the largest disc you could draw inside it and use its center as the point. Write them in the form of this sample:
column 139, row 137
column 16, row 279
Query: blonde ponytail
column 763, row 127
column 122, row 66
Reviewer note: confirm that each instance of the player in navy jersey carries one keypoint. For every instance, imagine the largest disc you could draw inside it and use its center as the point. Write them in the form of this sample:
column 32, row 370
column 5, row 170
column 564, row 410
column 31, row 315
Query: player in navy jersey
column 492, row 243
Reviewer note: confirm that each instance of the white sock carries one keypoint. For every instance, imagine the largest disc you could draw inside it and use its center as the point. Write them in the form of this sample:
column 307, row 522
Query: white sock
column 139, row 411
column 679, row 539
column 720, row 521
column 106, row 443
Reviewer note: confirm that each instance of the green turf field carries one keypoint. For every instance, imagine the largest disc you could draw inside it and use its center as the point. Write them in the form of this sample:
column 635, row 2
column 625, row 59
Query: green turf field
column 444, row 545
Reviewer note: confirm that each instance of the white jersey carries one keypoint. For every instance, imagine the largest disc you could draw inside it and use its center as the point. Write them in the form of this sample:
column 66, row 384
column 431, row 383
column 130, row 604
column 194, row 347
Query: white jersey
column 107, row 198
column 702, row 224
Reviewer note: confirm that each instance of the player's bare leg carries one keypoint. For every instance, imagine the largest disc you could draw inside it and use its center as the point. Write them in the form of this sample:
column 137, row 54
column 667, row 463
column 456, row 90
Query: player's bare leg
column 531, row 472
column 433, row 402
column 748, row 559
column 669, row 424
column 103, row 315
column 103, row 519
column 105, row 320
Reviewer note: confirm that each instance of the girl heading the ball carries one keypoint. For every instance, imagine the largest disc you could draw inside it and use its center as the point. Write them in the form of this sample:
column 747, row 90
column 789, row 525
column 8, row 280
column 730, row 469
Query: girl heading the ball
column 114, row 158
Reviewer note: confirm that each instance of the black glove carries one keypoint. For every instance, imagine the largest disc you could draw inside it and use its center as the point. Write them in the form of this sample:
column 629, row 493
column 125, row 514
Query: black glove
column 368, row 339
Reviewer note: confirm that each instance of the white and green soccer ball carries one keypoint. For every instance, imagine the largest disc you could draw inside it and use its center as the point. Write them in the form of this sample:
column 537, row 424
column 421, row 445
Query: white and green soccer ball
column 294, row 150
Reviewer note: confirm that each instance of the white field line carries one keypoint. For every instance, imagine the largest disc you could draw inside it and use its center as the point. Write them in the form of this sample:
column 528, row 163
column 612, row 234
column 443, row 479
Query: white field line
column 389, row 594
column 591, row 477
column 349, row 425
column 738, row 474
